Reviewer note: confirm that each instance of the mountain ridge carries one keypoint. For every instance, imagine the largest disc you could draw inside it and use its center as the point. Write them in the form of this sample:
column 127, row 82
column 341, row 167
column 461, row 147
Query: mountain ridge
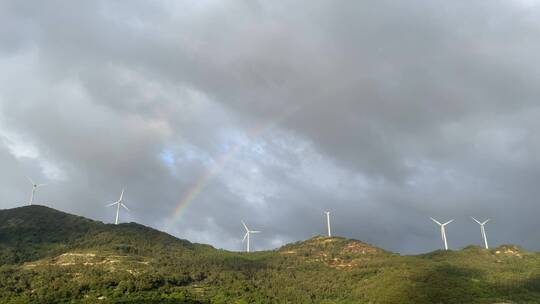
column 48, row 256
column 41, row 228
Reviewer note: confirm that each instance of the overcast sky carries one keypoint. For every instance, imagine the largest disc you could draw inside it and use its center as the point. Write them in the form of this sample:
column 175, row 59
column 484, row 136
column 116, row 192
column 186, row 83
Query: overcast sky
column 383, row 112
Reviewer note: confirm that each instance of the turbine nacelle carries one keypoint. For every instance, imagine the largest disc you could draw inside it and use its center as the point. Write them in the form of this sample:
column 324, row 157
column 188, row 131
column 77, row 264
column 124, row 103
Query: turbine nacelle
column 35, row 186
column 119, row 203
column 483, row 230
column 248, row 233
column 443, row 231
column 480, row 223
column 439, row 223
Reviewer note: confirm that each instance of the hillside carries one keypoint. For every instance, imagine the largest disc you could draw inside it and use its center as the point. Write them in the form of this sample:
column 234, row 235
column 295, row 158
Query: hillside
column 48, row 256
column 33, row 232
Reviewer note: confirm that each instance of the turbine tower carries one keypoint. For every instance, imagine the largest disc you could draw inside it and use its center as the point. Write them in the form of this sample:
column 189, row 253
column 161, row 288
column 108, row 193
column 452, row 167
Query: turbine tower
column 35, row 186
column 328, row 223
column 246, row 236
column 443, row 231
column 118, row 203
column 483, row 230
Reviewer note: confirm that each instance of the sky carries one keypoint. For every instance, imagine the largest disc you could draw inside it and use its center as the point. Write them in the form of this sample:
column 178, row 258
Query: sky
column 385, row 113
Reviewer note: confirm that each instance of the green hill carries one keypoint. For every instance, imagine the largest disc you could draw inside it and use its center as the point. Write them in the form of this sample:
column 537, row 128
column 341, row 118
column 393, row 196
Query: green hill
column 48, row 256
column 33, row 232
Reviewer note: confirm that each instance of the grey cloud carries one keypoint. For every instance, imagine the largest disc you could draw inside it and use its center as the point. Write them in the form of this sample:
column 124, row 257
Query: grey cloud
column 385, row 112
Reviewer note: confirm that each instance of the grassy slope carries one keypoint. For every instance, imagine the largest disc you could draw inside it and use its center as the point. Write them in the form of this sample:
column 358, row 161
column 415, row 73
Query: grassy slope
column 50, row 257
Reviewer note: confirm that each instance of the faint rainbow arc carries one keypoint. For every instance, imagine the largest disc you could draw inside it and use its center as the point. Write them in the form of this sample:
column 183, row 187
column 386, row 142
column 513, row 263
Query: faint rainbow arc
column 205, row 178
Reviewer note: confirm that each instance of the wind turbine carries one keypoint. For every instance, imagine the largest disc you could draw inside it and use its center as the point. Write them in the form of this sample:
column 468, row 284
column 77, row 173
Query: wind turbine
column 118, row 203
column 443, row 232
column 483, row 230
column 328, row 223
column 35, row 186
column 248, row 233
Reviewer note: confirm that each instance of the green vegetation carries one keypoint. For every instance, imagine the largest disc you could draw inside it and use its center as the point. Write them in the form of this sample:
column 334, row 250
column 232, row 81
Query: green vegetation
column 48, row 256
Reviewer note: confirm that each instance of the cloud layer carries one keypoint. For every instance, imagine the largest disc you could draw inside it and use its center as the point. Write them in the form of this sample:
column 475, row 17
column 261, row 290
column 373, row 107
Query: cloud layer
column 384, row 112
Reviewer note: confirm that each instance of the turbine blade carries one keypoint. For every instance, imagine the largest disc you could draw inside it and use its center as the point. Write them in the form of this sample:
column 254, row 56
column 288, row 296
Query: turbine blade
column 448, row 222
column 31, row 180
column 41, row 185
column 125, row 207
column 254, row 232
column 247, row 229
column 245, row 236
column 476, row 220
column 121, row 195
column 485, row 222
column 111, row 204
column 435, row 221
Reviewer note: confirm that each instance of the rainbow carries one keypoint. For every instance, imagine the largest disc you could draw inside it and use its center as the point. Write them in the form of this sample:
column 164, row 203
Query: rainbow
column 202, row 181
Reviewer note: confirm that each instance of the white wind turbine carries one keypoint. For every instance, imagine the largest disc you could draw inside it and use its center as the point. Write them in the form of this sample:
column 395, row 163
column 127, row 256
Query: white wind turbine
column 35, row 186
column 248, row 233
column 328, row 223
column 443, row 231
column 483, row 230
column 118, row 203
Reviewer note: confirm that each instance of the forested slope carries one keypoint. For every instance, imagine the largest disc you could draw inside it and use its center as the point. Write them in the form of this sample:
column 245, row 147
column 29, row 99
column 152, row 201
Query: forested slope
column 52, row 257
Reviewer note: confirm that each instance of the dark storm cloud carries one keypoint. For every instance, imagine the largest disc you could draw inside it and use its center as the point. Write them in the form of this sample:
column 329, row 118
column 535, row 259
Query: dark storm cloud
column 384, row 112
